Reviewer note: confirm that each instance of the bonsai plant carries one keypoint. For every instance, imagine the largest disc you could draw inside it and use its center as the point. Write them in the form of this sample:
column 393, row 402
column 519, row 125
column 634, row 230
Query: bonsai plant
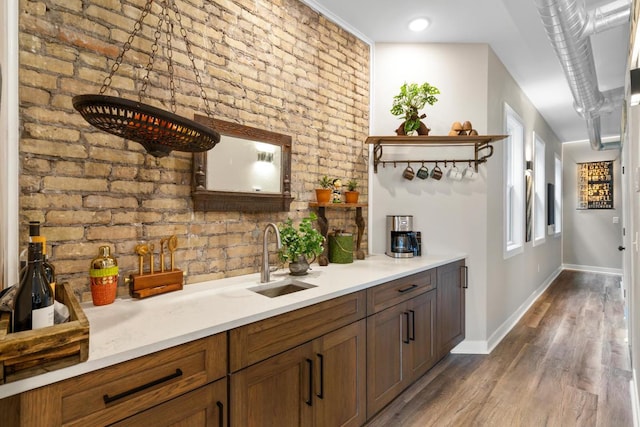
column 408, row 102
column 323, row 194
column 351, row 195
column 300, row 245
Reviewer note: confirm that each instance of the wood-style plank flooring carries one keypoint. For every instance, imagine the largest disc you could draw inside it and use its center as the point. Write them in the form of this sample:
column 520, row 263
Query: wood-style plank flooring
column 566, row 363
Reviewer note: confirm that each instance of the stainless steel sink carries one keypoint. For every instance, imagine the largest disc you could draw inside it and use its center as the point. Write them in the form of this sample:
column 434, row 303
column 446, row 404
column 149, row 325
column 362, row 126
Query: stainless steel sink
column 283, row 287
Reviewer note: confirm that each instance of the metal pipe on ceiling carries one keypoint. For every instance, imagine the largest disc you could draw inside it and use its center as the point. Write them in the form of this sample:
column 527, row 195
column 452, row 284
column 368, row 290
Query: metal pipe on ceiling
column 568, row 26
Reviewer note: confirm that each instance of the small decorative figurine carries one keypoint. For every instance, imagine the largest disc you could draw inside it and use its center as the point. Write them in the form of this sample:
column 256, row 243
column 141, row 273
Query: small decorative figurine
column 336, row 194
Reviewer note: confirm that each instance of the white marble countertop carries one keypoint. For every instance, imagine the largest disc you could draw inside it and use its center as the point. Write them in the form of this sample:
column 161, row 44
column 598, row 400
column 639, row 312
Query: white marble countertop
column 131, row 328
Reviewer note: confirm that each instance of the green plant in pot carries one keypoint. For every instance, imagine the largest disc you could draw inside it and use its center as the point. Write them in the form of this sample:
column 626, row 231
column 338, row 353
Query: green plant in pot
column 411, row 99
column 300, row 245
column 323, row 194
column 351, row 195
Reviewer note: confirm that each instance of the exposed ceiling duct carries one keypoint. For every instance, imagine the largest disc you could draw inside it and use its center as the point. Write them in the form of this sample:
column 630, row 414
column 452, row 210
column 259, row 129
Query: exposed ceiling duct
column 569, row 26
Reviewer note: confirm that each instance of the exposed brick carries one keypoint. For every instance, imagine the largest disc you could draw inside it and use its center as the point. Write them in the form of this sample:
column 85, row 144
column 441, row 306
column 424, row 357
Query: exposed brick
column 78, row 217
column 108, row 202
column 74, row 184
column 112, row 233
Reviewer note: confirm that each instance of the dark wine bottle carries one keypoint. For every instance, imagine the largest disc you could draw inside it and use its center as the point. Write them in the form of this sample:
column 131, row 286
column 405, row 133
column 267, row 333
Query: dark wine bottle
column 49, row 269
column 33, row 307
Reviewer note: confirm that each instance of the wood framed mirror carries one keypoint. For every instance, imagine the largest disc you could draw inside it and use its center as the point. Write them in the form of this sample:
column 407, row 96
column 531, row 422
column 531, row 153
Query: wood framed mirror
column 248, row 170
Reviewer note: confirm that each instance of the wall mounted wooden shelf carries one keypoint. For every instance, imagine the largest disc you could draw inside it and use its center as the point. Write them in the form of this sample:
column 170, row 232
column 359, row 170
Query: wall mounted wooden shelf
column 481, row 143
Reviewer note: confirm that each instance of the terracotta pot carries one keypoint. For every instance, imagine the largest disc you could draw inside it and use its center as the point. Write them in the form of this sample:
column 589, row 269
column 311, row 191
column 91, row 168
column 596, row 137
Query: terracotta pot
column 323, row 195
column 351, row 196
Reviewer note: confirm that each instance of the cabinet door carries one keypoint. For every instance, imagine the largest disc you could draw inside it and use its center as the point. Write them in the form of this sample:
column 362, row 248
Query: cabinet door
column 204, row 407
column 450, row 329
column 387, row 341
column 422, row 334
column 276, row 392
column 340, row 380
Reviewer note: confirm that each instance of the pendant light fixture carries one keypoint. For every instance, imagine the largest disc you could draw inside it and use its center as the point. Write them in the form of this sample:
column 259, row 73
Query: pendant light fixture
column 159, row 131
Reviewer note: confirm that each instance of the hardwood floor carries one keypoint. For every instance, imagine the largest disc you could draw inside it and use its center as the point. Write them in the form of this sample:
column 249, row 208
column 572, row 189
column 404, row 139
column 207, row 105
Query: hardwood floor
column 566, row 363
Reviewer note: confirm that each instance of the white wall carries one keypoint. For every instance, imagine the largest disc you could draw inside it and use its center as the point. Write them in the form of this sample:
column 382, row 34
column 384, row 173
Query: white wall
column 9, row 143
column 459, row 216
column 513, row 282
column 591, row 238
column 450, row 215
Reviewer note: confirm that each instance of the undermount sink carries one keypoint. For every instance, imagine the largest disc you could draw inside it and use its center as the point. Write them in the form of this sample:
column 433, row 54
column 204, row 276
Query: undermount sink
column 276, row 289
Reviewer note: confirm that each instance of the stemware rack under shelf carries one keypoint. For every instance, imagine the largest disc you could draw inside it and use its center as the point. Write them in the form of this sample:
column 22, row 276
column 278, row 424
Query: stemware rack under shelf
column 481, row 143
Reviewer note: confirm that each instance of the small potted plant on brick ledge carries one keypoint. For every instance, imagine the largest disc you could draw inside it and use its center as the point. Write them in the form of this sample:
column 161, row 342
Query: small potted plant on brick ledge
column 351, row 195
column 323, row 194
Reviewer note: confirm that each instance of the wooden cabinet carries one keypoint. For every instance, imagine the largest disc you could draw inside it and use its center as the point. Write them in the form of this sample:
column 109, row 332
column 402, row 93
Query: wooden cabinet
column 112, row 394
column 204, row 407
column 400, row 348
column 452, row 282
column 319, row 383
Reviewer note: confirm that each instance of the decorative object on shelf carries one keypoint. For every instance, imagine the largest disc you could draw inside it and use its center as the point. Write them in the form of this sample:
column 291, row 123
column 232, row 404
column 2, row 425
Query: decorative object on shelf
column 104, row 277
column 336, row 191
column 482, row 148
column 152, row 282
column 158, row 131
column 465, row 128
column 351, row 195
column 408, row 102
column 301, row 245
column 323, row 194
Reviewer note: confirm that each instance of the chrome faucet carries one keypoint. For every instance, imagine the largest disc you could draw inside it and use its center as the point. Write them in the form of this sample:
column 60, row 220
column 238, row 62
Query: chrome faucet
column 264, row 274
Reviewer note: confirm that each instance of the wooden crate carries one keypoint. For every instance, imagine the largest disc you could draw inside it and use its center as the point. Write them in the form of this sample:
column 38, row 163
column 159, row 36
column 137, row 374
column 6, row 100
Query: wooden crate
column 28, row 353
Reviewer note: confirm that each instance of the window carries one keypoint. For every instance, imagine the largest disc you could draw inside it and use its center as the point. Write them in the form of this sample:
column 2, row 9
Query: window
column 539, row 191
column 558, row 195
column 514, row 183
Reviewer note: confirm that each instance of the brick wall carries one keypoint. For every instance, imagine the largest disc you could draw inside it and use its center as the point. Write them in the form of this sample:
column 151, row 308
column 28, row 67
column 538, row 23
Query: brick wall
column 271, row 64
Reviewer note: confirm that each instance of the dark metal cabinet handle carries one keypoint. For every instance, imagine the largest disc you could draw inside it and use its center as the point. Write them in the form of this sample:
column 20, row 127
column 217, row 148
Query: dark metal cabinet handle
column 464, row 273
column 109, row 399
column 220, row 413
column 310, row 400
column 321, row 394
column 407, row 289
column 406, row 319
column 413, row 325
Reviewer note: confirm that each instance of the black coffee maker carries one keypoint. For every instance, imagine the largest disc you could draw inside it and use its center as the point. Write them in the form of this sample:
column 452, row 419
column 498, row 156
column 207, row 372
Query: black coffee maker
column 402, row 241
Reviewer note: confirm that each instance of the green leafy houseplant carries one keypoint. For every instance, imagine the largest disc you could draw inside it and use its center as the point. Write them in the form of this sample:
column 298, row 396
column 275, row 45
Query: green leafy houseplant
column 409, row 101
column 303, row 241
column 351, row 196
column 325, row 182
column 352, row 184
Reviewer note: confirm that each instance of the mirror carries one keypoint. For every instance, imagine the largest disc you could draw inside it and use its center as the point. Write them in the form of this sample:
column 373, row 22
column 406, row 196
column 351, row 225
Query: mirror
column 248, row 170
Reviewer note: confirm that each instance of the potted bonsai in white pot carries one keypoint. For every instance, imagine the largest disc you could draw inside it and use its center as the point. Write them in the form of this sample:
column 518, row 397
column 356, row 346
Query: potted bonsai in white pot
column 411, row 99
column 300, row 245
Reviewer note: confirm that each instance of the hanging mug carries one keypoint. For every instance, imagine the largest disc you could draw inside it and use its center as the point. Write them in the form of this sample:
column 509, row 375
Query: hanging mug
column 470, row 173
column 436, row 173
column 408, row 173
column 423, row 172
column 454, row 173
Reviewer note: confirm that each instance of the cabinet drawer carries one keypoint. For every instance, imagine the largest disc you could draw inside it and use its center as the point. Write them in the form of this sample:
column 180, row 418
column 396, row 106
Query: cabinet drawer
column 399, row 290
column 111, row 394
column 258, row 341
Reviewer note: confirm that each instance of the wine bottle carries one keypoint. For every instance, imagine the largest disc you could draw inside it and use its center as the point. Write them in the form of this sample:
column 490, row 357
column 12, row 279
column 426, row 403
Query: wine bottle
column 49, row 269
column 34, row 301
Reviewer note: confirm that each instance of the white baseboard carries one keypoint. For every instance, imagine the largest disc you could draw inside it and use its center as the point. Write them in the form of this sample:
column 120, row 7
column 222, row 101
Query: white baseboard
column 635, row 404
column 486, row 347
column 591, row 269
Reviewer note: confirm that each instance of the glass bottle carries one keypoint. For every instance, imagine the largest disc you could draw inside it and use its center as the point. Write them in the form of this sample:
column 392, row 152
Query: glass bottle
column 49, row 269
column 33, row 308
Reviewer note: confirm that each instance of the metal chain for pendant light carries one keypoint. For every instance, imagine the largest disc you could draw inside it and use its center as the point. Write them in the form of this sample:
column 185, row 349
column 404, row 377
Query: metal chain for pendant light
column 157, row 130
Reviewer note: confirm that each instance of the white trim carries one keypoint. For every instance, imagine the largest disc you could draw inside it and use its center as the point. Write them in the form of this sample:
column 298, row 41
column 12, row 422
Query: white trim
column 337, row 20
column 9, row 142
column 593, row 269
column 635, row 404
column 486, row 347
column 539, row 191
column 514, row 245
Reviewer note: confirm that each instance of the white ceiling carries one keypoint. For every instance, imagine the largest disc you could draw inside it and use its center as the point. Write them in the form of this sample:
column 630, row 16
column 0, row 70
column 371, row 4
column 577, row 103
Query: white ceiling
column 514, row 31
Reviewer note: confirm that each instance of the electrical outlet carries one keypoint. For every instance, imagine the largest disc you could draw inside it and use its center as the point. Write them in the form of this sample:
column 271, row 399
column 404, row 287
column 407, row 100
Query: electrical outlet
column 616, row 220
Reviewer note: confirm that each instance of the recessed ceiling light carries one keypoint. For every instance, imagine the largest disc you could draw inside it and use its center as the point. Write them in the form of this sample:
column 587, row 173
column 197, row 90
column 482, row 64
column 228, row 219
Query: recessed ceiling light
column 418, row 24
